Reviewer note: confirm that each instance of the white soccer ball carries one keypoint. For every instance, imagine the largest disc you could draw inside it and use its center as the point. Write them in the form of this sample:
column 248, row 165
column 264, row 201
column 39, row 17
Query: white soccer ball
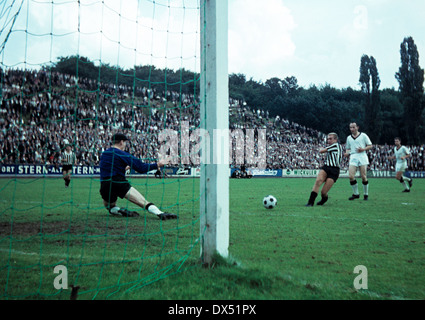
column 269, row 202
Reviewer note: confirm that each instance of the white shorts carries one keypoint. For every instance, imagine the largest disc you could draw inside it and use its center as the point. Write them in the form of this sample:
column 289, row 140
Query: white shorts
column 400, row 167
column 359, row 159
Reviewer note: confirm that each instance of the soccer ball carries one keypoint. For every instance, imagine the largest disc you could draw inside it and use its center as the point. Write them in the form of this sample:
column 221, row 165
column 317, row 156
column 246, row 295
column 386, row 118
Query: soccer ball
column 269, row 202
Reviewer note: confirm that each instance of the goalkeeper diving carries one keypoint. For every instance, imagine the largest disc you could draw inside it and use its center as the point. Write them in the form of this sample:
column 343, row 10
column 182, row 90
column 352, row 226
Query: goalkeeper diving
column 113, row 183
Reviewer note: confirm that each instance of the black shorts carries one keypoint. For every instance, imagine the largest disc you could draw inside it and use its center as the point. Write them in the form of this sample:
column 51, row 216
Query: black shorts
column 66, row 167
column 111, row 189
column 331, row 172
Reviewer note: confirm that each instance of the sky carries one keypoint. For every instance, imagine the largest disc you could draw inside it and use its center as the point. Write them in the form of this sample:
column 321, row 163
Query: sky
column 319, row 42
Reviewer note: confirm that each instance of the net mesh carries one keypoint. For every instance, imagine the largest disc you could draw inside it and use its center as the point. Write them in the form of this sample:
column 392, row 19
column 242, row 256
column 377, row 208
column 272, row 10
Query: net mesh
column 77, row 72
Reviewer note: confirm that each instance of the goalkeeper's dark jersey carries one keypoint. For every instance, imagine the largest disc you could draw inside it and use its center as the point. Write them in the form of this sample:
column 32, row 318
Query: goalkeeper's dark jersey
column 113, row 162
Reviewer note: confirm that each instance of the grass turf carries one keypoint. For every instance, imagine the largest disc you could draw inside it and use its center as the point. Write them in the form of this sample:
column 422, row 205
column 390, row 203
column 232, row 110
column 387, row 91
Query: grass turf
column 289, row 252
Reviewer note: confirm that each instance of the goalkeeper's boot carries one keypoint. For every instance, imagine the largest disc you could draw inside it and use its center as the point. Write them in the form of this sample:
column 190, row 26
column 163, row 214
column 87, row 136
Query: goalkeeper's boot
column 126, row 213
column 167, row 216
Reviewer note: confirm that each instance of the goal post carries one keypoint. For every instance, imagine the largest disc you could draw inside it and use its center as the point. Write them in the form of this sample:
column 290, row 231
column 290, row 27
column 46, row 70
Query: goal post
column 214, row 181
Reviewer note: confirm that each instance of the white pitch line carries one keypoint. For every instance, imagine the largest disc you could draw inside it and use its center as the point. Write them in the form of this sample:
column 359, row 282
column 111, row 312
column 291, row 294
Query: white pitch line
column 333, row 218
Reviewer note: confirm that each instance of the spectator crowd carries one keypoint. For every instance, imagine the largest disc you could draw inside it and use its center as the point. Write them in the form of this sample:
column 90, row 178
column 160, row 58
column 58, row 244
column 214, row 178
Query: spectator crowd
column 41, row 111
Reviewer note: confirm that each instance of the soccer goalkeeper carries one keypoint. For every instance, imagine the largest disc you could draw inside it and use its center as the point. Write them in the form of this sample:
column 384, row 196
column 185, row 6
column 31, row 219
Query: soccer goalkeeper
column 114, row 162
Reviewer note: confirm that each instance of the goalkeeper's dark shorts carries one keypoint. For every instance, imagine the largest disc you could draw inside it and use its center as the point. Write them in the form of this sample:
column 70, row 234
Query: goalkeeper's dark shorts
column 331, row 172
column 111, row 189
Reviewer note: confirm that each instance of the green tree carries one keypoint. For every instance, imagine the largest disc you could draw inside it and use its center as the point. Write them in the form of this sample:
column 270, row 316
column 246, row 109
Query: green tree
column 370, row 82
column 411, row 80
column 392, row 116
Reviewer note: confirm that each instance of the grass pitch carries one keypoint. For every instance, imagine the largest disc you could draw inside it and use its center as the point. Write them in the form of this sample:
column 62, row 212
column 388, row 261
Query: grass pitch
column 289, row 252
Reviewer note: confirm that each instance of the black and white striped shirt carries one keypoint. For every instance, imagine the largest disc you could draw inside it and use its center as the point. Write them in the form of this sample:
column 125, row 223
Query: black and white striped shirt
column 334, row 155
column 68, row 158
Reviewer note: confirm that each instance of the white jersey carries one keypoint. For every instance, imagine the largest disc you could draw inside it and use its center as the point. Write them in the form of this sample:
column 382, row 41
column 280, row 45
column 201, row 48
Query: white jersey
column 401, row 152
column 358, row 159
column 361, row 141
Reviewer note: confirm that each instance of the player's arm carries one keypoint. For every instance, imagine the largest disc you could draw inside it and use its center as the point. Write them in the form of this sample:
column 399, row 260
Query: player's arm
column 328, row 148
column 140, row 166
column 347, row 148
column 347, row 152
column 408, row 155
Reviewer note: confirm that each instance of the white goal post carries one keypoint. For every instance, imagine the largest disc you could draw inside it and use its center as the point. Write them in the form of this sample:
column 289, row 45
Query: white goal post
column 214, row 182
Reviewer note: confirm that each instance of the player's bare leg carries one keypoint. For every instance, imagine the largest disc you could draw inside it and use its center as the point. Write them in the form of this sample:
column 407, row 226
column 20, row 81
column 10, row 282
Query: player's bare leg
column 137, row 198
column 325, row 190
column 321, row 177
column 67, row 177
column 407, row 182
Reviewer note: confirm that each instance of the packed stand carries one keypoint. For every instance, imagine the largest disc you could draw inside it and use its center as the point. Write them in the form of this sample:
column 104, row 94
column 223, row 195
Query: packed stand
column 39, row 112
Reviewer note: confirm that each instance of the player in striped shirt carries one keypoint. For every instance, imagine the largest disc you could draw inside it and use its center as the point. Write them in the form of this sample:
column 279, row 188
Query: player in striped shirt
column 329, row 173
column 68, row 159
column 401, row 153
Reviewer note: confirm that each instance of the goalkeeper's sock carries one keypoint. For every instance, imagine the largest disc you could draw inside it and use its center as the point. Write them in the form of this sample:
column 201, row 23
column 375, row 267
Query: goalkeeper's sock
column 115, row 211
column 153, row 209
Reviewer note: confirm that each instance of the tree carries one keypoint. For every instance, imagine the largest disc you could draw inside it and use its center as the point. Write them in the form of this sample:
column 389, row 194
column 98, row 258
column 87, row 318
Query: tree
column 370, row 82
column 411, row 80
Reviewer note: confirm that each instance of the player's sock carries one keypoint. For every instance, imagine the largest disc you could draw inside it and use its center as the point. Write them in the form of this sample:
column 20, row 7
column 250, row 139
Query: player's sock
column 405, row 183
column 355, row 187
column 322, row 201
column 366, row 187
column 153, row 209
column 313, row 196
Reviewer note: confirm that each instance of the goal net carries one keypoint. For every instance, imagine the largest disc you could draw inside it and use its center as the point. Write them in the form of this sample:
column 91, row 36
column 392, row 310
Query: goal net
column 77, row 72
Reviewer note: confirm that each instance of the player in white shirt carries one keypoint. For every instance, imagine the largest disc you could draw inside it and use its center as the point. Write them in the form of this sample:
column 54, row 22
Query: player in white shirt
column 358, row 143
column 401, row 153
